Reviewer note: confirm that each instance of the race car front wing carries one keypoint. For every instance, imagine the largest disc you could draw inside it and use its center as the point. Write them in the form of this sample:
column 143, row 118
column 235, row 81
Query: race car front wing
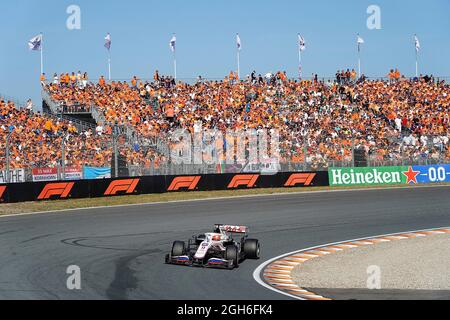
column 191, row 262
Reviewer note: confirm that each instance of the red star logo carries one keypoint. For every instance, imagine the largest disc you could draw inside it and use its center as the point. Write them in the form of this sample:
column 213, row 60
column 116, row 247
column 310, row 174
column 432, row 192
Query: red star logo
column 411, row 175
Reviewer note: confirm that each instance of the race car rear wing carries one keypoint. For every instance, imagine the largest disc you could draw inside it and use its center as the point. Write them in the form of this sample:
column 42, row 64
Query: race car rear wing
column 235, row 229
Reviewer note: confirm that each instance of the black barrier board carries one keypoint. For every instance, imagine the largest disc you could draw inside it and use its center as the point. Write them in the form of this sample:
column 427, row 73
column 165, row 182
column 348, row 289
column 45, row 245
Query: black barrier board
column 43, row 191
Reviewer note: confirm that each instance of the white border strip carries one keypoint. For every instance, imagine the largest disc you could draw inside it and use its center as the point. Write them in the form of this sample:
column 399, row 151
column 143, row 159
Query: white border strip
column 257, row 273
column 217, row 198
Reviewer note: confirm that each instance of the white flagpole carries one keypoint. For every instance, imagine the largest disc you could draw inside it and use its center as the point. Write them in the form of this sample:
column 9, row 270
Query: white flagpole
column 42, row 53
column 299, row 58
column 417, row 56
column 299, row 64
column 109, row 65
column 175, row 63
column 417, row 65
column 175, row 57
column 239, row 63
column 417, row 48
column 359, row 59
column 359, row 65
column 238, row 47
column 108, row 47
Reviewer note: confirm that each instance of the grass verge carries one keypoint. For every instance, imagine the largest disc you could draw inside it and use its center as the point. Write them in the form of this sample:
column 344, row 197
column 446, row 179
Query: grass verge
column 32, row 207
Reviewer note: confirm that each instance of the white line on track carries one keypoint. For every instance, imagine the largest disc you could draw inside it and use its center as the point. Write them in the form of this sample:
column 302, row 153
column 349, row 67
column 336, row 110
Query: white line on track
column 220, row 198
column 258, row 271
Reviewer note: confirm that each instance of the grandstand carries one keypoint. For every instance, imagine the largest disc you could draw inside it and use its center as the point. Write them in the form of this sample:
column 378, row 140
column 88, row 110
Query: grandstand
column 392, row 121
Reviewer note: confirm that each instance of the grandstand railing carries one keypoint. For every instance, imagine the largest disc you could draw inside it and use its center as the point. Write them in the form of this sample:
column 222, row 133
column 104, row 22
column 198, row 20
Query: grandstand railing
column 53, row 106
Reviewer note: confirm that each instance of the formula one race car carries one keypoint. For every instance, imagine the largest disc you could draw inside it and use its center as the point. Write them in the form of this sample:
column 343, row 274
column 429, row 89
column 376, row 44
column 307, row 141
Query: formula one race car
column 215, row 250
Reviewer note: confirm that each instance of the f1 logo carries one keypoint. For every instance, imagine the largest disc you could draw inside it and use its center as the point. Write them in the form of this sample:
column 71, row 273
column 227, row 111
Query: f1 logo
column 248, row 180
column 2, row 191
column 56, row 189
column 300, row 178
column 184, row 182
column 128, row 186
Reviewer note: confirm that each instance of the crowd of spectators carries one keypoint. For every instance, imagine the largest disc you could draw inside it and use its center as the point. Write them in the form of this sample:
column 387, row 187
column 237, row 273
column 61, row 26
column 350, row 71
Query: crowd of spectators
column 393, row 120
column 36, row 139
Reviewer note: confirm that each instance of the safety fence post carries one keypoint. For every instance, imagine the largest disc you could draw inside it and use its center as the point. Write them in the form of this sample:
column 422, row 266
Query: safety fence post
column 8, row 138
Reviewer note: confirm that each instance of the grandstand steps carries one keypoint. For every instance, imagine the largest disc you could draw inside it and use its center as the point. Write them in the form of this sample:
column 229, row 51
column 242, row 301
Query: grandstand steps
column 89, row 118
column 81, row 122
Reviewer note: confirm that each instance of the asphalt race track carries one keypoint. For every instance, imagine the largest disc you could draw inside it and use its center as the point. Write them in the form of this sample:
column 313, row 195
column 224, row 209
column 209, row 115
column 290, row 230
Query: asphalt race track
column 121, row 250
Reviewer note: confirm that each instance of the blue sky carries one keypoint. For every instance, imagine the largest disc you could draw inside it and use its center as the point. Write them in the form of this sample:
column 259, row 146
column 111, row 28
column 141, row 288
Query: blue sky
column 206, row 31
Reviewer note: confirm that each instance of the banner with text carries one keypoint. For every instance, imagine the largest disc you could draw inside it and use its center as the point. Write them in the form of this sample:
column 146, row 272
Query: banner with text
column 15, row 176
column 73, row 173
column 389, row 175
column 432, row 174
column 45, row 174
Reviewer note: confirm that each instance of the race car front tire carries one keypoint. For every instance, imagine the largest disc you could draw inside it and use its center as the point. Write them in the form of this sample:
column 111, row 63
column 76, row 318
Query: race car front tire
column 232, row 254
column 178, row 248
column 252, row 249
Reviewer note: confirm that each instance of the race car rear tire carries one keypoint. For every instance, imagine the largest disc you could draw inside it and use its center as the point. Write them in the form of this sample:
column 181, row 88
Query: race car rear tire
column 252, row 249
column 178, row 248
column 232, row 253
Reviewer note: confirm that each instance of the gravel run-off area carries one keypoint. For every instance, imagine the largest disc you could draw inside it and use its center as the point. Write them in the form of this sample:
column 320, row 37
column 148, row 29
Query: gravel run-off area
column 417, row 263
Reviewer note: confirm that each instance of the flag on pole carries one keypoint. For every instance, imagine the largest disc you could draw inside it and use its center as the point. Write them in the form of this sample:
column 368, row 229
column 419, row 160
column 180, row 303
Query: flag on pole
column 108, row 42
column 360, row 41
column 301, row 48
column 108, row 47
column 417, row 43
column 173, row 43
column 238, row 42
column 35, row 44
column 301, row 43
column 173, row 46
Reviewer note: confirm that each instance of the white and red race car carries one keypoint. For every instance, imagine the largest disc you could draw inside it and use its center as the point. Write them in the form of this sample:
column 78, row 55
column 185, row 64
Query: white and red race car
column 217, row 249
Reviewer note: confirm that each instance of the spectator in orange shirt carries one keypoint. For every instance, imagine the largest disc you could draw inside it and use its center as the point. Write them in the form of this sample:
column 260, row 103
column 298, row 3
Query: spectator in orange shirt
column 102, row 81
column 42, row 79
column 134, row 82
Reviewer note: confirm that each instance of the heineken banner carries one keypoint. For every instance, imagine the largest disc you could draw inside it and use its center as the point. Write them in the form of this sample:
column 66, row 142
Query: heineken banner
column 389, row 175
column 433, row 174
